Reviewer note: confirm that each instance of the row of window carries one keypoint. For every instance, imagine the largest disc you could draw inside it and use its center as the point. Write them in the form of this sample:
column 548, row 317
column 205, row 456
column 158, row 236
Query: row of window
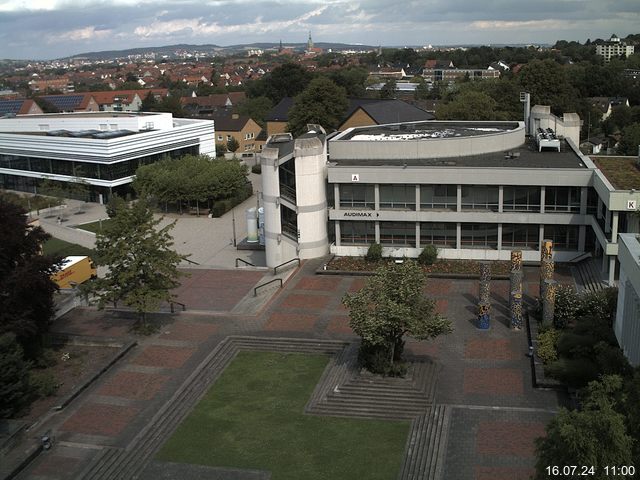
column 484, row 235
column 101, row 171
column 473, row 197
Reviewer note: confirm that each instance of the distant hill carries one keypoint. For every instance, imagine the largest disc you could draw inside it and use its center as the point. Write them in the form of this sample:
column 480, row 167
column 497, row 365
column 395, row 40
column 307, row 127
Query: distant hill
column 169, row 50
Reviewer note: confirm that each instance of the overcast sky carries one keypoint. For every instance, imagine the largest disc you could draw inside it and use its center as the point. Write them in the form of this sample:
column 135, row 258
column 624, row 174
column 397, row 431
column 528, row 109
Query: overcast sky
column 45, row 29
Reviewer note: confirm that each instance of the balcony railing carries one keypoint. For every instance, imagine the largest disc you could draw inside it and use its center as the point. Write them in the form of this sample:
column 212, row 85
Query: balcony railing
column 288, row 192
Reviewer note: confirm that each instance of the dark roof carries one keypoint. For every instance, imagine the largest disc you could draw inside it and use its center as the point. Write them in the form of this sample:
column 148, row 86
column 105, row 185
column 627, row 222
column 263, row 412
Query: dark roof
column 280, row 113
column 382, row 111
column 227, row 123
column 11, row 106
column 64, row 102
column 528, row 156
column 388, row 111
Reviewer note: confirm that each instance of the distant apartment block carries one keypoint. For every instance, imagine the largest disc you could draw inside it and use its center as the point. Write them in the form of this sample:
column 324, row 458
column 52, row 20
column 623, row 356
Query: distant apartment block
column 62, row 84
column 614, row 47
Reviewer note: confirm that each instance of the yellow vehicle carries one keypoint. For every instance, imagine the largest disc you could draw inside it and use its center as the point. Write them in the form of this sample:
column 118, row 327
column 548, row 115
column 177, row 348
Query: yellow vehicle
column 74, row 270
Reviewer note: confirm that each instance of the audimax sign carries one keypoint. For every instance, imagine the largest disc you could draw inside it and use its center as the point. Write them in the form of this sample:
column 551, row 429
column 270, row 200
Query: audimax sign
column 360, row 214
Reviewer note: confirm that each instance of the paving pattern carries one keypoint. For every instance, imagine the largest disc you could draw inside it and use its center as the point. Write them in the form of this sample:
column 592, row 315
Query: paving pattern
column 475, row 412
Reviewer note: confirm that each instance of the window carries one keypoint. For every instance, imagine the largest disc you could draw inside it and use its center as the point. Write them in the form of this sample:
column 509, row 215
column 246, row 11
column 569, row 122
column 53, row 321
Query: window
column 398, row 196
column 562, row 199
column 357, row 196
column 287, row 174
column 219, row 138
column 443, row 197
column 564, row 237
column 520, row 236
column 357, row 233
column 479, row 235
column 480, row 197
column 592, row 201
column 521, row 199
column 249, row 136
column 398, row 233
column 229, row 137
column 438, row 234
column 289, row 221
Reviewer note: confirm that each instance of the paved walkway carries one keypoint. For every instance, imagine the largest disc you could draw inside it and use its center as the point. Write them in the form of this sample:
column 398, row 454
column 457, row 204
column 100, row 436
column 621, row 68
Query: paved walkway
column 493, row 413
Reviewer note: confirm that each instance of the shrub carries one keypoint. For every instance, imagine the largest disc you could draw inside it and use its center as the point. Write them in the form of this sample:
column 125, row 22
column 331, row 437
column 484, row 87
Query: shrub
column 14, row 378
column 428, row 256
column 256, row 169
column 611, row 360
column 566, row 306
column 43, row 383
column 547, row 350
column 570, row 344
column 374, row 254
column 572, row 371
column 601, row 304
column 375, row 358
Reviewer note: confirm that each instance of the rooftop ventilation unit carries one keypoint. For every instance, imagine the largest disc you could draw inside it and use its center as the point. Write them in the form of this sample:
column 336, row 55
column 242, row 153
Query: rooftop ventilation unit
column 280, row 138
column 547, row 139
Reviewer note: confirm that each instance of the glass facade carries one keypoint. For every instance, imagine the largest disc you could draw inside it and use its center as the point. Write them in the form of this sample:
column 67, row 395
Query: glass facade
column 398, row 197
column 438, row 197
column 89, row 170
column 401, row 234
column 438, row 234
column 287, row 176
column 562, row 199
column 520, row 236
column 357, row 233
column 357, row 196
column 480, row 197
column 565, row 237
column 484, row 235
column 289, row 221
column 521, row 199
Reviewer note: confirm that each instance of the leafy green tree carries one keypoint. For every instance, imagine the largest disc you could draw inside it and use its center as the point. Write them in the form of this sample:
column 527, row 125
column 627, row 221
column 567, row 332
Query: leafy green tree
column 595, row 436
column 256, row 108
column 389, row 89
column 352, row 79
column 287, row 80
column 233, row 145
column 15, row 390
column 26, row 289
column 422, row 91
column 149, row 103
column 547, row 82
column 391, row 305
column 142, row 265
column 468, row 105
column 322, row 102
column 630, row 141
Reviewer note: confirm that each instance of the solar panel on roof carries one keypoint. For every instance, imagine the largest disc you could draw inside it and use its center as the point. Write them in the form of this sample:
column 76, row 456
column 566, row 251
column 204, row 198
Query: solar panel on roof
column 10, row 106
column 66, row 102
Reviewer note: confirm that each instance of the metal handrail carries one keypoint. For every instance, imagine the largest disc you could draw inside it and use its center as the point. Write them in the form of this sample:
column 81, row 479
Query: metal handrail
column 184, row 307
column 243, row 261
column 255, row 290
column 275, row 269
column 191, row 261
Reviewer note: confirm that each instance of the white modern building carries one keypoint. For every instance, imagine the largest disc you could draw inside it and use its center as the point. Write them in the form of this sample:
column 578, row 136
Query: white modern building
column 104, row 149
column 475, row 190
column 614, row 47
column 627, row 324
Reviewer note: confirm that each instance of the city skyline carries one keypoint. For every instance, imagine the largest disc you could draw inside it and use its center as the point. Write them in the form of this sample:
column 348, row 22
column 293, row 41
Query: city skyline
column 41, row 29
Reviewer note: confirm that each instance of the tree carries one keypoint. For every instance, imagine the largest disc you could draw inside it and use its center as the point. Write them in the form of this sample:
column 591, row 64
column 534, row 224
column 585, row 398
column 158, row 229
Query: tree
column 468, row 105
column 256, row 109
column 233, row 145
column 595, row 436
column 143, row 267
column 14, row 377
column 322, row 102
column 26, row 289
column 149, row 103
column 391, row 305
column 630, row 141
column 389, row 89
column 547, row 82
column 287, row 80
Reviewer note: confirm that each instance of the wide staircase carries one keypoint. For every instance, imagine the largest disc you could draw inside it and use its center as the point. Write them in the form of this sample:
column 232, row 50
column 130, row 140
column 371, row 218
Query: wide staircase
column 587, row 275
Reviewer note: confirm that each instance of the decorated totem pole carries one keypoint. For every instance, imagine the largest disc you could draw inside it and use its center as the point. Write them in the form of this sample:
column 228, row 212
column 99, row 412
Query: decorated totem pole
column 515, row 297
column 484, row 302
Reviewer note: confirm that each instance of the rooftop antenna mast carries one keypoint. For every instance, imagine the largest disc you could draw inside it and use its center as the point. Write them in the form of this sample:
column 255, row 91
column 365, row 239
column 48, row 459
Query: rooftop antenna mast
column 525, row 97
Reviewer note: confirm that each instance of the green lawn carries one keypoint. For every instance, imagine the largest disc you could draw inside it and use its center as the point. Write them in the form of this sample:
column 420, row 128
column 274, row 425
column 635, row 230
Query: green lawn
column 93, row 226
column 55, row 246
column 252, row 418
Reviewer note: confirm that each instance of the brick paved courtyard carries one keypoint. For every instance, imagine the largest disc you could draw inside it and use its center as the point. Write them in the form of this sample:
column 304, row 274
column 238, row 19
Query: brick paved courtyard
column 485, row 375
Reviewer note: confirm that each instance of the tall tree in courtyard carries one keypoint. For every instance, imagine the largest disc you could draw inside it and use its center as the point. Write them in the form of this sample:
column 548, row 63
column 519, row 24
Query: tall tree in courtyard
column 548, row 84
column 26, row 289
column 322, row 102
column 391, row 305
column 143, row 267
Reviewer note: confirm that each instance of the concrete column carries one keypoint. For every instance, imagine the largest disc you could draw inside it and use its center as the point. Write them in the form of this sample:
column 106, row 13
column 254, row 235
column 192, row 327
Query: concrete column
column 417, row 234
column 541, row 237
column 337, row 224
column 612, row 270
column 417, row 198
column 377, row 232
column 459, row 198
column 584, row 191
column 376, row 196
column 543, row 190
column 614, row 227
column 458, row 235
column 500, row 204
column 582, row 235
column 336, row 195
column 499, row 236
